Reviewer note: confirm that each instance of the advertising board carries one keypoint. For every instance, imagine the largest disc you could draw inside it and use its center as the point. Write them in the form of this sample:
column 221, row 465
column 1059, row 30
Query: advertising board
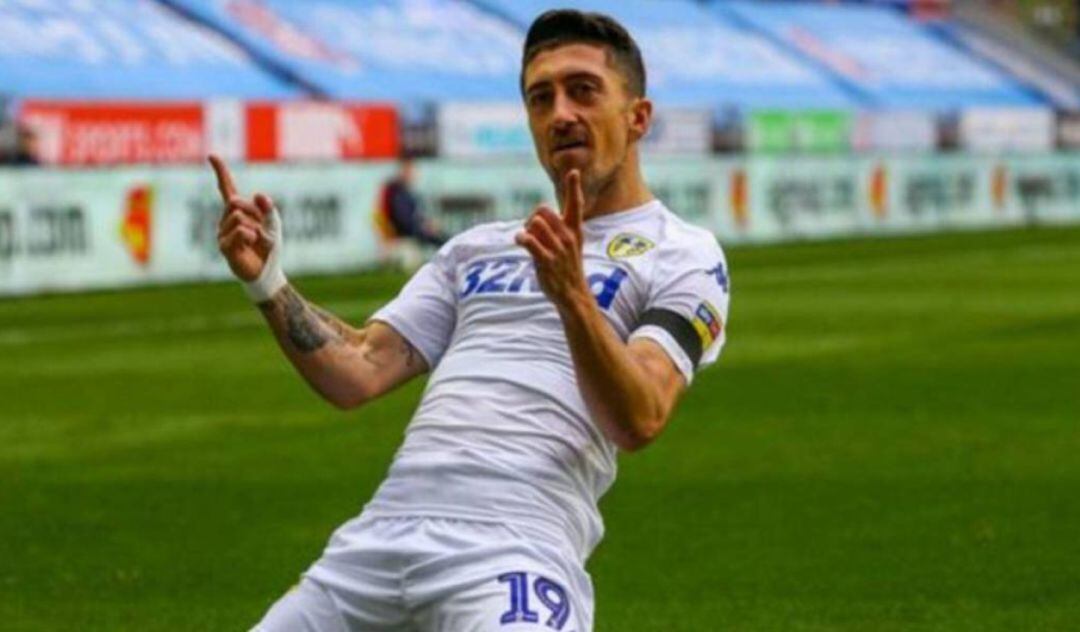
column 74, row 230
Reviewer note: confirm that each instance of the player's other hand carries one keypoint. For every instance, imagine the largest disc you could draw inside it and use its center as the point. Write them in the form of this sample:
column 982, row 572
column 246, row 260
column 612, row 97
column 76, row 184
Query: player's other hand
column 246, row 231
column 555, row 243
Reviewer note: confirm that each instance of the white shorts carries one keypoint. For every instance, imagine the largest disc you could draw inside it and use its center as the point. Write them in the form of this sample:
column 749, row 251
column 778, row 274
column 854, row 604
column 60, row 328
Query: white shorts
column 436, row 575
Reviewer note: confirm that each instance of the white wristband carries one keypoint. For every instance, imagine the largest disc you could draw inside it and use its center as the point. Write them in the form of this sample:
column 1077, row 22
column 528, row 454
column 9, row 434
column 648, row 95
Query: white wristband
column 265, row 287
column 272, row 278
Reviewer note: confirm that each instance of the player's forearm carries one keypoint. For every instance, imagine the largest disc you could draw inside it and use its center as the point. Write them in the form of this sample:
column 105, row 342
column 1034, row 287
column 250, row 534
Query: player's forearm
column 330, row 355
column 620, row 397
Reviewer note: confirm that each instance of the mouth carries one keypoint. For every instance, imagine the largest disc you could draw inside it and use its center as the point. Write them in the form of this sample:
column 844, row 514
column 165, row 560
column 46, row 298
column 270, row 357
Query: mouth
column 569, row 145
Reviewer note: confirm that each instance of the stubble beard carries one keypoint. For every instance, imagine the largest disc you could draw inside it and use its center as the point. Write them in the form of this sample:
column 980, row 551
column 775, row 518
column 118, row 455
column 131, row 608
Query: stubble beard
column 593, row 185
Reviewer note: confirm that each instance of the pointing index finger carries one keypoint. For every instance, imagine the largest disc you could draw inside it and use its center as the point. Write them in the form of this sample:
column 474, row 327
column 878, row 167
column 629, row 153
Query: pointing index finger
column 225, row 183
column 574, row 202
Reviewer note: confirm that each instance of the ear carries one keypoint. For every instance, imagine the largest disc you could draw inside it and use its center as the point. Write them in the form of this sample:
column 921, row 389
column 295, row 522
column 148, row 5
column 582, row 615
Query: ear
column 640, row 114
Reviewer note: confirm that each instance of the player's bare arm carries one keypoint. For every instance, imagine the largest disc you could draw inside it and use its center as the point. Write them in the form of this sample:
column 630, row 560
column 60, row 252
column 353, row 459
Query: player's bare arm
column 346, row 365
column 631, row 390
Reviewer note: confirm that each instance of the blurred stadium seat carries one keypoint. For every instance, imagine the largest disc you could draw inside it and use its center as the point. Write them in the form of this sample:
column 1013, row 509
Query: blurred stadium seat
column 401, row 50
column 746, row 54
column 121, row 49
column 883, row 58
column 699, row 58
column 722, row 55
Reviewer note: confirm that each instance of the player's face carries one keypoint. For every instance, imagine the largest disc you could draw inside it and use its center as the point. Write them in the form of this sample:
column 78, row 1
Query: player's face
column 580, row 113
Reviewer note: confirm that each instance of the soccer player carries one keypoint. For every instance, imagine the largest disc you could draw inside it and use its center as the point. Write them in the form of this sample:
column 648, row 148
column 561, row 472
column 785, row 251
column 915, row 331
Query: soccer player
column 553, row 344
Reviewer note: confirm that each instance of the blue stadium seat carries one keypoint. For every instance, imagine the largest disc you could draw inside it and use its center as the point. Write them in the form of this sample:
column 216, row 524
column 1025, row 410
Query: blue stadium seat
column 725, row 55
column 695, row 57
column 888, row 59
column 399, row 50
column 121, row 49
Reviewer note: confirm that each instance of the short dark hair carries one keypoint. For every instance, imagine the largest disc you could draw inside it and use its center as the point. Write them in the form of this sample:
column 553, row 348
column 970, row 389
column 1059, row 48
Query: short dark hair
column 559, row 27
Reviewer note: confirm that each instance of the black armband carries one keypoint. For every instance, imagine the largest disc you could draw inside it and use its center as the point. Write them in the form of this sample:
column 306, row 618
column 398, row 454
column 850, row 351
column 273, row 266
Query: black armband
column 680, row 329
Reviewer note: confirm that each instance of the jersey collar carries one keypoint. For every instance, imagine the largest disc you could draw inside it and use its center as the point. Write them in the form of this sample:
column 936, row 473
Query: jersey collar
column 622, row 217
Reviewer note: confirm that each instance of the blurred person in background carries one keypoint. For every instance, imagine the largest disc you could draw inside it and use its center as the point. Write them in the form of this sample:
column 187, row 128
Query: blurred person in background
column 553, row 342
column 24, row 147
column 401, row 210
column 7, row 129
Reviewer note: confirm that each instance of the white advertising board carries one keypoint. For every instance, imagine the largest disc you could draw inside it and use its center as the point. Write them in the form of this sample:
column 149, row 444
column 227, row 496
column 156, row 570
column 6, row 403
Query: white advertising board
column 470, row 130
column 473, row 130
column 989, row 130
column 65, row 230
column 894, row 131
column 75, row 230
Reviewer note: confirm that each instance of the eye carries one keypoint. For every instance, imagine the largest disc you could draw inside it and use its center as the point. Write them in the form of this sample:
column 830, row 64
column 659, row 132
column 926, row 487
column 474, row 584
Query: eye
column 538, row 99
column 583, row 90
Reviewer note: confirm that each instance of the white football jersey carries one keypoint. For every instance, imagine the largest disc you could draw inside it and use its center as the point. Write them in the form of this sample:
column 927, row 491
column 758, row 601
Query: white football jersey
column 502, row 432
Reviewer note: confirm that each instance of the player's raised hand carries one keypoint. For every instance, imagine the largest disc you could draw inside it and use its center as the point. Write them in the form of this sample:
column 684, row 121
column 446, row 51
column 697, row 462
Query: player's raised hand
column 573, row 207
column 249, row 236
column 243, row 236
column 555, row 243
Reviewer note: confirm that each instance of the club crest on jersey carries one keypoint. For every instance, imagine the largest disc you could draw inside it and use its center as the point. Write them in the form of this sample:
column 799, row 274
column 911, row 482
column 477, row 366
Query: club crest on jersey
column 707, row 323
column 625, row 245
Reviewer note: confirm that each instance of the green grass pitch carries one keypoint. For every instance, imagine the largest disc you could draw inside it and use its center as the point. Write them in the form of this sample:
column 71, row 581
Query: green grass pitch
column 891, row 441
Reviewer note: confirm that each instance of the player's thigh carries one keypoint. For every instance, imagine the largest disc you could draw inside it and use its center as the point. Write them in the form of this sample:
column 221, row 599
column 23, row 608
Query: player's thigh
column 305, row 608
column 521, row 599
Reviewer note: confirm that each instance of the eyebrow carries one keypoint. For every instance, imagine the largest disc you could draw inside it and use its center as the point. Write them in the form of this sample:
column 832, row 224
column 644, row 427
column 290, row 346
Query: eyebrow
column 573, row 76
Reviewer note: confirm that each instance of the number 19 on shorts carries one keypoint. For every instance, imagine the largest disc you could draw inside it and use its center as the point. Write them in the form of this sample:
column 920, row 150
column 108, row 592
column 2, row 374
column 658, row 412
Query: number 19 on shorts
column 548, row 593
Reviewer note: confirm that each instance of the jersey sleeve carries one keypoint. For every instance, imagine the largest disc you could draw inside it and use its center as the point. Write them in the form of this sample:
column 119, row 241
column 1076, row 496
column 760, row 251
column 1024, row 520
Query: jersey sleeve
column 425, row 311
column 687, row 307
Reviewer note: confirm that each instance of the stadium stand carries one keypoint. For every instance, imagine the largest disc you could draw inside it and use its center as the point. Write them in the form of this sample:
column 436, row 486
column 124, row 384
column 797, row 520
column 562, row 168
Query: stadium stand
column 888, row 60
column 775, row 76
column 400, row 50
column 697, row 58
column 92, row 49
column 1031, row 60
column 731, row 53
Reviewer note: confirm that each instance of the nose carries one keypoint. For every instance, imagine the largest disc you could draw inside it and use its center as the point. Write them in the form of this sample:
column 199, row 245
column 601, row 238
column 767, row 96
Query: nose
column 563, row 114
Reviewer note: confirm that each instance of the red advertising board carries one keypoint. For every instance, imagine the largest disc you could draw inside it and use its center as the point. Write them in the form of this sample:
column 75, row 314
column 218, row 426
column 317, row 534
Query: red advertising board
column 312, row 130
column 75, row 133
column 96, row 133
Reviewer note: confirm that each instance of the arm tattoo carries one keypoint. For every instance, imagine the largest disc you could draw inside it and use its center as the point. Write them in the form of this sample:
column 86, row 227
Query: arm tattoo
column 340, row 327
column 310, row 328
column 304, row 328
column 355, row 338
